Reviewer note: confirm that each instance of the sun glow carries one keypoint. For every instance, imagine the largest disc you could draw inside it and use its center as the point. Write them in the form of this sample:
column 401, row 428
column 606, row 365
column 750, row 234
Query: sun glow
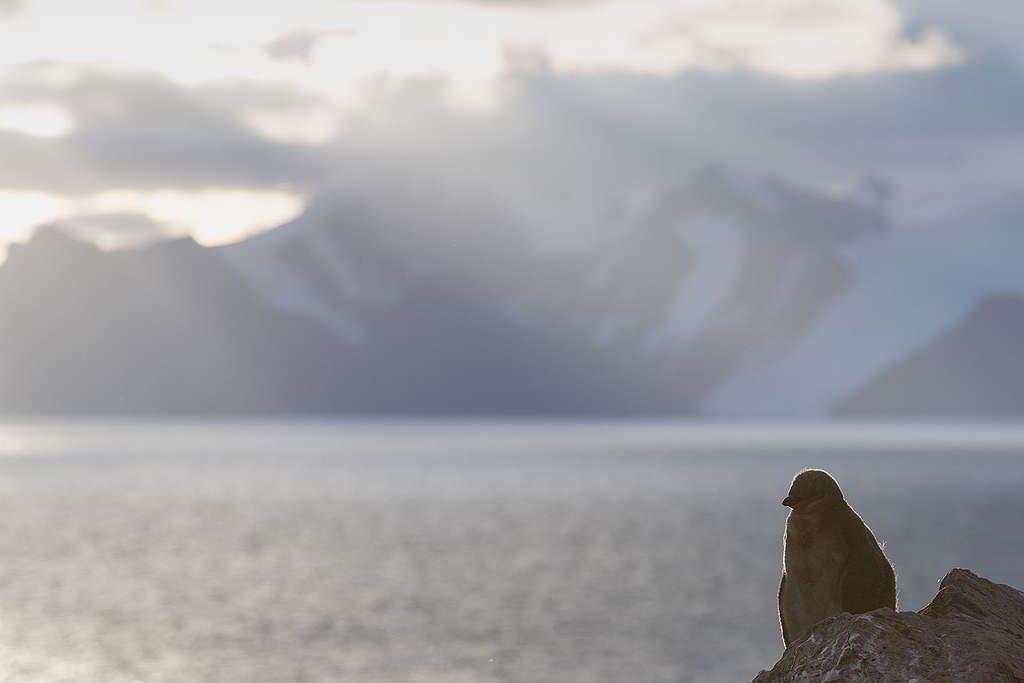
column 215, row 216
column 22, row 211
column 36, row 120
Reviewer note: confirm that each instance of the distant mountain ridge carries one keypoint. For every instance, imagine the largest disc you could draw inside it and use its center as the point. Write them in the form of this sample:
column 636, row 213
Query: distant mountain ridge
column 973, row 370
column 720, row 297
column 167, row 328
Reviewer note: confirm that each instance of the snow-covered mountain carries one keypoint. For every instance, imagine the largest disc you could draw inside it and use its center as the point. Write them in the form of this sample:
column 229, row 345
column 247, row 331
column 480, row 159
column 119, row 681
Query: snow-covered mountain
column 909, row 288
column 717, row 295
column 720, row 275
column 714, row 275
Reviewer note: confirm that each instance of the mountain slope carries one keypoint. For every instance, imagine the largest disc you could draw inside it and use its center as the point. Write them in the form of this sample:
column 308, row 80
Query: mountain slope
column 907, row 288
column 973, row 370
column 715, row 273
column 166, row 329
column 408, row 299
column 724, row 273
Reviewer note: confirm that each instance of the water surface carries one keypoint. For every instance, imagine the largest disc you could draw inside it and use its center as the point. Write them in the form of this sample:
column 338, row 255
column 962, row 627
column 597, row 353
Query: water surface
column 453, row 553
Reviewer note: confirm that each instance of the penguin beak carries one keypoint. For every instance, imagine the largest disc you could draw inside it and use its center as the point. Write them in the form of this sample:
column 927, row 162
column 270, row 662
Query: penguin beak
column 788, row 501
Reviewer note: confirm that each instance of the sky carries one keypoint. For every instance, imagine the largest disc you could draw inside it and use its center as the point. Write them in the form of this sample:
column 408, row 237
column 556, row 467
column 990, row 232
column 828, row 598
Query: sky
column 134, row 119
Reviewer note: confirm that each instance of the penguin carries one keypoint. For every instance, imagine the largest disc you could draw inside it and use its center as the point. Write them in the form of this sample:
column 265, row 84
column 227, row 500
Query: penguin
column 831, row 560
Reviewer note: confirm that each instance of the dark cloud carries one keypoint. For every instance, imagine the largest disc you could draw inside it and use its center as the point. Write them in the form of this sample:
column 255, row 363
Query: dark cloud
column 619, row 126
column 869, row 112
column 45, row 165
column 984, row 27
column 143, row 131
column 299, row 45
column 576, row 135
column 572, row 152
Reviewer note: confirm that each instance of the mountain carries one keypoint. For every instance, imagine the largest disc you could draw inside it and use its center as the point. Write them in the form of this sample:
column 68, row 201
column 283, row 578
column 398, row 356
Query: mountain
column 165, row 329
column 719, row 274
column 972, row 370
column 908, row 287
column 421, row 301
column 449, row 308
column 717, row 295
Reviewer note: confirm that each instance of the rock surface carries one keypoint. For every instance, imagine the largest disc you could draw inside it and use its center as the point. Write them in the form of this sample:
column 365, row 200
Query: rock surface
column 971, row 632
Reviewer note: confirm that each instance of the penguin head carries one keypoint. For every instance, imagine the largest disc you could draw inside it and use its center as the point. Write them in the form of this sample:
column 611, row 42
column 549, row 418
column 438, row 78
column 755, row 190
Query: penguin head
column 811, row 487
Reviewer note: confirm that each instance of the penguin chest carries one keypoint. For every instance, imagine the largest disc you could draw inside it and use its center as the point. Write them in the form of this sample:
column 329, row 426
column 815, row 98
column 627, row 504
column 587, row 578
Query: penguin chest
column 813, row 565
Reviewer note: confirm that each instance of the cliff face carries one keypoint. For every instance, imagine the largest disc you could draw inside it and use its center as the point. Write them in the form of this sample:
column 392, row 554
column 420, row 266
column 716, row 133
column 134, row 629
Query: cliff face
column 971, row 632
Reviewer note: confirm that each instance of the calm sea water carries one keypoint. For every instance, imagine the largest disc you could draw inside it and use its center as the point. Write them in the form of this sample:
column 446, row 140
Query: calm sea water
column 472, row 553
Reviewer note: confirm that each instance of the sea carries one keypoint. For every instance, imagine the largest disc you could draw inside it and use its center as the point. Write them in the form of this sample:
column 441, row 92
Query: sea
column 260, row 551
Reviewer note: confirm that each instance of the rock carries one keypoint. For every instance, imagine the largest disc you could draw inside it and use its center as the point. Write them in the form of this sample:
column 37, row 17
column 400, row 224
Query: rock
column 971, row 632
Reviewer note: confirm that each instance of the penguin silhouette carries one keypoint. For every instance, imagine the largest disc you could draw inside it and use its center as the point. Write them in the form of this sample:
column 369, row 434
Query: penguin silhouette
column 831, row 560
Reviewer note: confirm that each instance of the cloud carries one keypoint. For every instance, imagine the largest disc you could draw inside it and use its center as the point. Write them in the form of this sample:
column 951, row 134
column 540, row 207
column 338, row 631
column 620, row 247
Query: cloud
column 117, row 218
column 116, row 230
column 575, row 154
column 797, row 39
column 985, row 27
column 121, row 218
column 572, row 153
column 38, row 120
column 144, row 131
column 143, row 152
column 598, row 104
column 23, row 211
column 527, row 3
column 299, row 44
column 337, row 48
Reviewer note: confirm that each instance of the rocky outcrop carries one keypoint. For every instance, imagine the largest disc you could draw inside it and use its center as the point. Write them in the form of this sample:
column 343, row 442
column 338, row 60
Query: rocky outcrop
column 972, row 632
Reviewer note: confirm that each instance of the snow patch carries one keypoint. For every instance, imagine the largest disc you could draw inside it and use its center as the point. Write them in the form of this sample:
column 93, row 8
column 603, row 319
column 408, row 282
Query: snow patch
column 283, row 287
column 717, row 245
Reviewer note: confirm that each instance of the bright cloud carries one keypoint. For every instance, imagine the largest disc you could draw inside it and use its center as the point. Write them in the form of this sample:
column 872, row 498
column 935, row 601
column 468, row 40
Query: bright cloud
column 301, row 126
column 210, row 216
column 339, row 55
column 22, row 211
column 36, row 120
column 345, row 45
